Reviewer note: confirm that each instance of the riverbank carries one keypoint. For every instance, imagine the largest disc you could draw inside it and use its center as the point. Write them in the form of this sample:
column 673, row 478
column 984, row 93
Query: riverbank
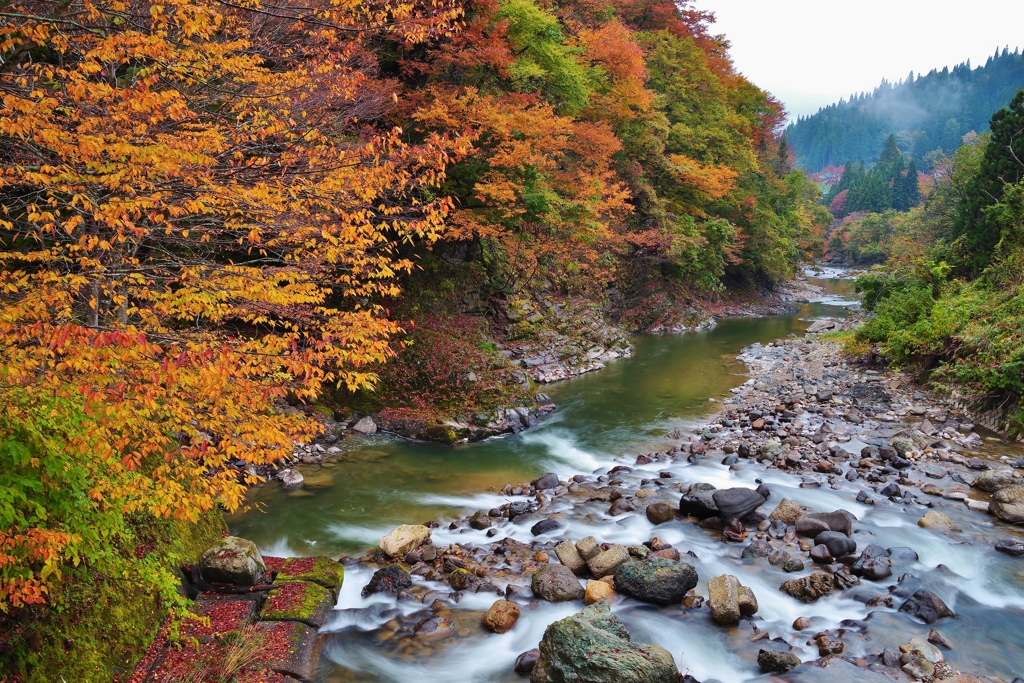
column 813, row 442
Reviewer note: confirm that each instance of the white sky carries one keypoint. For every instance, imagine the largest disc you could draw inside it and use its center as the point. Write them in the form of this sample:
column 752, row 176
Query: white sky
column 809, row 53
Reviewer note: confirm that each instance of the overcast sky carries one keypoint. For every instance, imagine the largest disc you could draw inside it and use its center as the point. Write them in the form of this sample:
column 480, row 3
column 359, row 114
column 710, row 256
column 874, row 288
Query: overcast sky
column 809, row 53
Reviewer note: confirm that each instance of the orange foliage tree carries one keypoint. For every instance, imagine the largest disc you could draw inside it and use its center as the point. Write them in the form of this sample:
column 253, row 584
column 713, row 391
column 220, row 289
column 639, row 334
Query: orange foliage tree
column 200, row 207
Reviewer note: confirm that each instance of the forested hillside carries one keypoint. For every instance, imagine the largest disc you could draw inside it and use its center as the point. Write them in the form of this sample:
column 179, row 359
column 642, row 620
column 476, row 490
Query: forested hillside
column 929, row 114
column 213, row 210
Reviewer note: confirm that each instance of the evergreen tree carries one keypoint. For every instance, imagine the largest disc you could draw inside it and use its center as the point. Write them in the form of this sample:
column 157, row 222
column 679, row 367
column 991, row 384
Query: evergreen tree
column 873, row 194
column 911, row 189
column 890, row 161
column 1001, row 165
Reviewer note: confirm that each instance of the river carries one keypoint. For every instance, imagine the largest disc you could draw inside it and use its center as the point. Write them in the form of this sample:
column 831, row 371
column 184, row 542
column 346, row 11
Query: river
column 625, row 409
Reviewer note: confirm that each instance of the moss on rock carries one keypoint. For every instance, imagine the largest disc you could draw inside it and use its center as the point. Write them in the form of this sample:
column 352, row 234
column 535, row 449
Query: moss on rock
column 320, row 570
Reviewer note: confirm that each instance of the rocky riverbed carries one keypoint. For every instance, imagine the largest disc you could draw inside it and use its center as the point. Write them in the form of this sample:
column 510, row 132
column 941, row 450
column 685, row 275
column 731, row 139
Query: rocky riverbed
column 832, row 520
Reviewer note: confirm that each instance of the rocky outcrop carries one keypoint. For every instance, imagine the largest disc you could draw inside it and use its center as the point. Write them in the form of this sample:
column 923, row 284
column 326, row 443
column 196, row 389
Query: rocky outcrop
column 594, row 646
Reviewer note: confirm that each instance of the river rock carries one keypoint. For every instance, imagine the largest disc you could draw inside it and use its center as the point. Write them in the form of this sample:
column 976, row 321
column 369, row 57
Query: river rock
column 291, row 478
column 606, row 562
column 748, row 601
column 588, row 547
column 526, row 662
column 234, row 560
column 759, row 548
column 787, row 512
column 545, row 526
column 598, row 590
column 699, row 501
column 875, row 568
column 480, row 520
column 1008, row 504
column 813, row 523
column 776, row 661
column 657, row 580
column 547, row 481
column 838, row 543
column 736, row 503
column 365, row 426
column 501, row 616
column 433, row 628
column 403, row 539
column 933, row 519
column 820, row 554
column 568, row 555
column 1009, row 546
column 902, row 445
column 556, row 583
column 659, row 513
column 390, row 580
column 620, row 507
column 809, row 588
column 724, row 599
column 594, row 646
column 991, row 481
column 926, row 606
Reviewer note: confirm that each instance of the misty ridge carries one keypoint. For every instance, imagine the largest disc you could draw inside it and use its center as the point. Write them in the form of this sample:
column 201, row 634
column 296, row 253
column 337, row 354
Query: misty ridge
column 928, row 114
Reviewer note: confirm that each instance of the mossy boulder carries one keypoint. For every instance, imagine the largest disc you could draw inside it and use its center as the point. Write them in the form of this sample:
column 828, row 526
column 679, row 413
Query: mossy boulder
column 235, row 561
column 320, row 570
column 658, row 580
column 594, row 646
column 303, row 601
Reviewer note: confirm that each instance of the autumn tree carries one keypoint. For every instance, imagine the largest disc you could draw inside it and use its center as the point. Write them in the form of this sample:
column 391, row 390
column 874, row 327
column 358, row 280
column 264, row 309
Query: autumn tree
column 200, row 213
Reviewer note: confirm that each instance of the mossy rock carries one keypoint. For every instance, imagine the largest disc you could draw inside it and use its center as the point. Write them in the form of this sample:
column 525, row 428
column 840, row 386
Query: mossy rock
column 290, row 648
column 302, row 601
column 320, row 570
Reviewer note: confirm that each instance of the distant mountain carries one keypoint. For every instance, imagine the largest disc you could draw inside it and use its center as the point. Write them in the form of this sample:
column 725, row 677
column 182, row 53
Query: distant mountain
column 928, row 114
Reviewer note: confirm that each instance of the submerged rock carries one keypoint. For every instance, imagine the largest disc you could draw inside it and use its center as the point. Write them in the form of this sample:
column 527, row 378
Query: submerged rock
column 658, row 580
column 594, row 646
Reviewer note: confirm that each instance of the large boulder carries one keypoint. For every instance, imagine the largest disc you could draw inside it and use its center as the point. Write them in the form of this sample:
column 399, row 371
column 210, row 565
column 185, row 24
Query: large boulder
column 813, row 523
column 933, row 519
column 403, row 539
column 234, row 560
column 736, row 503
column 547, row 481
column 658, row 580
column 594, row 646
column 556, row 583
column 1008, row 504
column 365, row 426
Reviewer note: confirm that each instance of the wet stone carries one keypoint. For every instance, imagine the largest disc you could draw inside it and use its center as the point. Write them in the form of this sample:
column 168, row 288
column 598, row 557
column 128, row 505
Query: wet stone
column 390, row 580
column 776, row 661
column 926, row 606
column 658, row 580
column 556, row 583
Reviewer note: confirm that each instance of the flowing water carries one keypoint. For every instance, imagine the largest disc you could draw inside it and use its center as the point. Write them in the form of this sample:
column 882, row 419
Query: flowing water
column 620, row 411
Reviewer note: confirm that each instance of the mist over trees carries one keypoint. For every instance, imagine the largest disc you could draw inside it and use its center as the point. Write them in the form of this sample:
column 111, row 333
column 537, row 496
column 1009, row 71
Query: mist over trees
column 928, row 115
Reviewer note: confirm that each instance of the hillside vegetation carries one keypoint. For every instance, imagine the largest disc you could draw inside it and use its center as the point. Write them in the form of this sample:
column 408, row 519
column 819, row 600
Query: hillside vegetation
column 949, row 300
column 214, row 209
